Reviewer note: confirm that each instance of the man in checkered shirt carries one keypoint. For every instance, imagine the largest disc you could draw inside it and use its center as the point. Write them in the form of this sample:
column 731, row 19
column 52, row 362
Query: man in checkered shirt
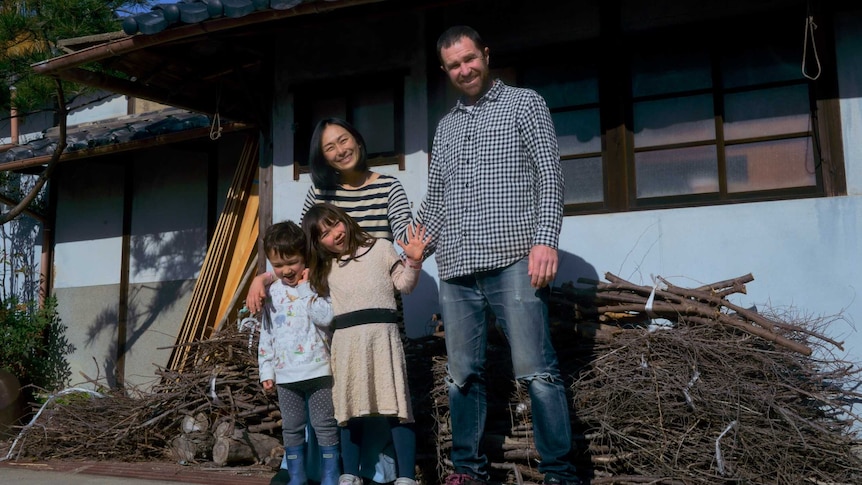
column 494, row 207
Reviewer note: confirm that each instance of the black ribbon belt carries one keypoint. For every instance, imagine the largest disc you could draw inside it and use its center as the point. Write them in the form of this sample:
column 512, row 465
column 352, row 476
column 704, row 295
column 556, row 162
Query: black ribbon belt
column 360, row 317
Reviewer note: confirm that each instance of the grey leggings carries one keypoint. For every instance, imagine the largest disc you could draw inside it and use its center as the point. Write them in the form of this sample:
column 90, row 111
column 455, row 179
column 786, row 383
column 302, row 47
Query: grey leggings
column 311, row 399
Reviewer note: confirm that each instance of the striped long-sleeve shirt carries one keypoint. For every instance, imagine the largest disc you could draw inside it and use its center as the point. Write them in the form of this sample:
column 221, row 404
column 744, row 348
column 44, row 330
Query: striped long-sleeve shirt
column 380, row 207
column 495, row 187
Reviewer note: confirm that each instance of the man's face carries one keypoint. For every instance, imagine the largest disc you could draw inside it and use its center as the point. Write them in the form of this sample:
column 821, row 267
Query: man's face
column 467, row 68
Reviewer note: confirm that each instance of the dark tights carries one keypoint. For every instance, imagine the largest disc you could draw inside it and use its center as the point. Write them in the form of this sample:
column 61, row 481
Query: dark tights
column 403, row 437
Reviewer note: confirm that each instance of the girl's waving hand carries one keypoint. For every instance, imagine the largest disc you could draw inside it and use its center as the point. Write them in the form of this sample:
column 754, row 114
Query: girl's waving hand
column 417, row 240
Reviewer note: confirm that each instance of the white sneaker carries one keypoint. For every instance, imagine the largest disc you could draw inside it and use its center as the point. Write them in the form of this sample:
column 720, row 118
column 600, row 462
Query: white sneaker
column 348, row 479
column 405, row 481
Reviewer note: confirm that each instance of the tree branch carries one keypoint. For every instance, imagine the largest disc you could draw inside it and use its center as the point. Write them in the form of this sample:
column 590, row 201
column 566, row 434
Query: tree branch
column 52, row 164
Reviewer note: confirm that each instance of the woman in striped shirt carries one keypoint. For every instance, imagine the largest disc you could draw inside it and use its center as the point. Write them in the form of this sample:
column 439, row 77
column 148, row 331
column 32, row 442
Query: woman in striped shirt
column 379, row 205
column 339, row 170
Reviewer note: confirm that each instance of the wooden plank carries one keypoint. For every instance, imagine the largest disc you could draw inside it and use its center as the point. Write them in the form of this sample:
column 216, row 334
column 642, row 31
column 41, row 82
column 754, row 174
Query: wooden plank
column 245, row 248
column 201, row 315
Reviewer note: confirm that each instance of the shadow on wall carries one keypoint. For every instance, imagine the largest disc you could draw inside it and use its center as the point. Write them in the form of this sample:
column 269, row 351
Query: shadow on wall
column 572, row 268
column 172, row 260
column 141, row 318
column 420, row 305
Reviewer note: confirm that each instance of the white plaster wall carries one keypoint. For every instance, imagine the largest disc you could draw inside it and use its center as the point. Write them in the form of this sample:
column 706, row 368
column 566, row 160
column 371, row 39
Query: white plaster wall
column 89, row 228
column 848, row 47
column 803, row 254
column 111, row 107
column 87, row 250
column 169, row 216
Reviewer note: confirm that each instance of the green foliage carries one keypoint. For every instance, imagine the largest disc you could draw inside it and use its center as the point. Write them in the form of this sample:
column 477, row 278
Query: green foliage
column 29, row 32
column 34, row 344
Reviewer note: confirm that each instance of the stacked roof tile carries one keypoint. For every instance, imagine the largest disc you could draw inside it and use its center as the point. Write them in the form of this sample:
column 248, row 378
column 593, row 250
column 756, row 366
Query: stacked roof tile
column 165, row 15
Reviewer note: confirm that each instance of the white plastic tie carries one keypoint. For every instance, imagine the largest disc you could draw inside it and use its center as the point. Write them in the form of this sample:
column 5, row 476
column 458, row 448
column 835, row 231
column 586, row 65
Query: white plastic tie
column 691, row 383
column 48, row 401
column 651, row 299
column 252, row 325
column 718, row 458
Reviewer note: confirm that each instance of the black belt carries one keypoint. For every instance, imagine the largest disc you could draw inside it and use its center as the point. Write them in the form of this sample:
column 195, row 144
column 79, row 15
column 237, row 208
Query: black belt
column 360, row 317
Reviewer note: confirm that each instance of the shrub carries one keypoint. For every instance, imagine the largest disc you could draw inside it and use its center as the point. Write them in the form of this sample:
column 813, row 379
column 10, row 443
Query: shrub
column 34, row 345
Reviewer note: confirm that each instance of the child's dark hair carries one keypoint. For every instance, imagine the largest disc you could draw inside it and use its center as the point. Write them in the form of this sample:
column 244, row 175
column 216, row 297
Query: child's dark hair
column 284, row 239
column 319, row 261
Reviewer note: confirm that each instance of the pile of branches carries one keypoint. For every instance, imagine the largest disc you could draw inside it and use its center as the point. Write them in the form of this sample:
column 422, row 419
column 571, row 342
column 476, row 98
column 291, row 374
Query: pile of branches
column 216, row 401
column 669, row 385
column 714, row 393
column 675, row 385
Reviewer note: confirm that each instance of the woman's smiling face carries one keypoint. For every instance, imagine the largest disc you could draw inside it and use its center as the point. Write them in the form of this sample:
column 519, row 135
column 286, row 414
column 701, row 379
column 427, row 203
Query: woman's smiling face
column 339, row 148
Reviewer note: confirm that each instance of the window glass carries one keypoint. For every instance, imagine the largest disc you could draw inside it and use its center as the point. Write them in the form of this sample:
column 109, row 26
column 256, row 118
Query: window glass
column 766, row 112
column 758, row 64
column 563, row 86
column 328, row 108
column 770, row 165
column 675, row 120
column 578, row 132
column 373, row 107
column 661, row 70
column 583, row 177
column 373, row 117
column 679, row 171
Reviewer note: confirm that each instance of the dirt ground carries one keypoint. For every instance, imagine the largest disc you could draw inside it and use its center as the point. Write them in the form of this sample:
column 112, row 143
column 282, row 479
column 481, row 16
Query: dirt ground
column 202, row 473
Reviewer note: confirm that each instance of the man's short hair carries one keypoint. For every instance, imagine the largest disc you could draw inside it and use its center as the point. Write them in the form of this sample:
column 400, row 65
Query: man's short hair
column 454, row 34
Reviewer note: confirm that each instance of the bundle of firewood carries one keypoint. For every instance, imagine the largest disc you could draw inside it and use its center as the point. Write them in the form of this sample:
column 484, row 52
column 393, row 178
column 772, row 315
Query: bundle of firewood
column 213, row 410
column 668, row 385
column 703, row 391
column 678, row 385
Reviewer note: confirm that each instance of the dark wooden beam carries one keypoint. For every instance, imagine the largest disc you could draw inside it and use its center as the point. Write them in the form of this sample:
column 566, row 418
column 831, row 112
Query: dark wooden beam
column 129, row 88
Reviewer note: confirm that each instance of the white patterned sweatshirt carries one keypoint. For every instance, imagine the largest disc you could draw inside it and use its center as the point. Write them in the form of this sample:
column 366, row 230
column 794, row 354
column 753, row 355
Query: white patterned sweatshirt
column 295, row 334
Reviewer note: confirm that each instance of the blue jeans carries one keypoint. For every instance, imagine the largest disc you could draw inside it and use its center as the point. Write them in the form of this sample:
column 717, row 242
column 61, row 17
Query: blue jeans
column 522, row 314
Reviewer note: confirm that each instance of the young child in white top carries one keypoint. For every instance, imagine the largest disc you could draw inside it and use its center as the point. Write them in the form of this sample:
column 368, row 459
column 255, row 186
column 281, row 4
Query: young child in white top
column 294, row 356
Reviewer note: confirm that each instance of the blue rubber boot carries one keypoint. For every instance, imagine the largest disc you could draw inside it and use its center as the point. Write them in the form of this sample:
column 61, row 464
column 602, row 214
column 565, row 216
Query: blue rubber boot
column 294, row 459
column 330, row 465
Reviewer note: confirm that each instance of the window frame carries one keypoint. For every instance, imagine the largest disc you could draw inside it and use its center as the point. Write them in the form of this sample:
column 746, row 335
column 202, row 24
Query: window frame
column 350, row 88
column 612, row 58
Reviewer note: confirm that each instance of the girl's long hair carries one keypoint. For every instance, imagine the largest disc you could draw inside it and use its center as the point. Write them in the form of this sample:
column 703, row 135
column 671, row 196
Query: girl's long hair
column 318, row 218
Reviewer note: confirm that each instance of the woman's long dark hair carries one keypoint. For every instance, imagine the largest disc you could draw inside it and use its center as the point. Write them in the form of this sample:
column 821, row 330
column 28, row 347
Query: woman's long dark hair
column 322, row 175
column 318, row 218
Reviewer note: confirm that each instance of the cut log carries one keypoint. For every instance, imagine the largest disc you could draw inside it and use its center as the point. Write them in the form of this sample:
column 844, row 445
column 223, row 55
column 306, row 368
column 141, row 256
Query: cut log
column 244, row 447
column 195, row 424
column 190, row 447
column 227, row 450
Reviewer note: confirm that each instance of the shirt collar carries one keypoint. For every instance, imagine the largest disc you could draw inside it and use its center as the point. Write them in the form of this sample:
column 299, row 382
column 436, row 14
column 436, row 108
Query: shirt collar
column 491, row 95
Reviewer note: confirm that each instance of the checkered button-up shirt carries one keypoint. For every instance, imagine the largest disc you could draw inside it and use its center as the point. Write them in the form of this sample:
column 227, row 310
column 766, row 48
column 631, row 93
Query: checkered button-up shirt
column 495, row 188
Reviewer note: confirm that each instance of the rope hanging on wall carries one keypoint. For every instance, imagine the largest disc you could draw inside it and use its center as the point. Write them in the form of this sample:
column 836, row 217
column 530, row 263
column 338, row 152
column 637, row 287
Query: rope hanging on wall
column 215, row 129
column 810, row 27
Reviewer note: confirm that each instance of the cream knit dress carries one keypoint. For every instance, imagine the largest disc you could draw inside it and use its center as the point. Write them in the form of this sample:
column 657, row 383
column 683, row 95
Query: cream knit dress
column 368, row 364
